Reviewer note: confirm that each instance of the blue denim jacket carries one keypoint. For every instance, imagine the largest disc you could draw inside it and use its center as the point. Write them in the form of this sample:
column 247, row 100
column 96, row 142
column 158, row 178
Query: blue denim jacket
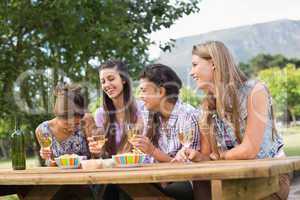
column 225, row 136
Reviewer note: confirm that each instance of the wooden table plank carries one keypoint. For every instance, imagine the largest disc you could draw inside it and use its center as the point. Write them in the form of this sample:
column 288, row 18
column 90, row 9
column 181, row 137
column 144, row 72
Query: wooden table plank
column 145, row 176
column 151, row 173
column 229, row 178
column 160, row 166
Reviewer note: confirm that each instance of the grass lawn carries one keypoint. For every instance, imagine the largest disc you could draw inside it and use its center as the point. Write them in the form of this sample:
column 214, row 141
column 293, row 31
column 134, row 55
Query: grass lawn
column 291, row 138
column 30, row 162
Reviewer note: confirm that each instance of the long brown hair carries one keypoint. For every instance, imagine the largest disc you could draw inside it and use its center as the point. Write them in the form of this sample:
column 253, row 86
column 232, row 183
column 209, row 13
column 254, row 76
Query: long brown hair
column 162, row 76
column 110, row 110
column 227, row 78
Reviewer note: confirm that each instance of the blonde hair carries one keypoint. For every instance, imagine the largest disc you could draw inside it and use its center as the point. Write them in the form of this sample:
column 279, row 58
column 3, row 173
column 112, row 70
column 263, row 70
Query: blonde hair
column 227, row 78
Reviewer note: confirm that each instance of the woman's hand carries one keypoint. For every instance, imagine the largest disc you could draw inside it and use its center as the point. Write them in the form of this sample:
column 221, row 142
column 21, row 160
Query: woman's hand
column 194, row 155
column 143, row 143
column 93, row 147
column 45, row 153
column 180, row 156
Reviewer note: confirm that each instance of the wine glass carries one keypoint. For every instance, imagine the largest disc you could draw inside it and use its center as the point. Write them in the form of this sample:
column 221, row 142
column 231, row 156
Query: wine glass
column 45, row 140
column 186, row 136
column 98, row 135
column 132, row 132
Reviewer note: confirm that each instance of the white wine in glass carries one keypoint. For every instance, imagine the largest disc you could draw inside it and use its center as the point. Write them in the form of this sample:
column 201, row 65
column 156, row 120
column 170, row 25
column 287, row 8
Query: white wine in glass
column 186, row 137
column 45, row 141
column 132, row 132
column 98, row 136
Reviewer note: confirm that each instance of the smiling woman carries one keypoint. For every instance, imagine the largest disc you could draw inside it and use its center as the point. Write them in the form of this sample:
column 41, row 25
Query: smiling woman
column 238, row 121
column 119, row 109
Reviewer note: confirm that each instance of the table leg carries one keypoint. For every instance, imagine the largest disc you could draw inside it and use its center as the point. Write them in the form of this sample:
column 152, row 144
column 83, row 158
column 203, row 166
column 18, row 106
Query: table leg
column 246, row 189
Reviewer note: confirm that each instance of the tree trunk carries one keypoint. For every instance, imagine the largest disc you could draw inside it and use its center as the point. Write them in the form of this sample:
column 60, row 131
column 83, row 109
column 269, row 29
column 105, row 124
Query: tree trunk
column 293, row 116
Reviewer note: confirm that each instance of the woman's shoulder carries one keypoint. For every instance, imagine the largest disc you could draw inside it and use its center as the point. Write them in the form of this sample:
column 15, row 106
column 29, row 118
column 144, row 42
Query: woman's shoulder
column 252, row 86
column 99, row 116
column 99, row 111
column 43, row 128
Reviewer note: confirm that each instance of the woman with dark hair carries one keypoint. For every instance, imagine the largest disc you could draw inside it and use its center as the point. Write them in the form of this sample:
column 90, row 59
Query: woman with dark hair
column 119, row 108
column 165, row 116
column 64, row 130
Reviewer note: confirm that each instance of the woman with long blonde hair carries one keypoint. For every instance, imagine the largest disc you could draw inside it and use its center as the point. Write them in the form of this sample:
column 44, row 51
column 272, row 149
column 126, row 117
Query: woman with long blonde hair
column 238, row 120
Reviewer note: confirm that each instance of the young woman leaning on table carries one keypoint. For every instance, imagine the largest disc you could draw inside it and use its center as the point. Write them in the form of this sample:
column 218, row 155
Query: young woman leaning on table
column 119, row 110
column 63, row 134
column 164, row 116
column 238, row 121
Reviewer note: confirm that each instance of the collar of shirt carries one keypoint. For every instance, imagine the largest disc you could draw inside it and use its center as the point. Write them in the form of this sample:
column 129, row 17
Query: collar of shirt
column 174, row 115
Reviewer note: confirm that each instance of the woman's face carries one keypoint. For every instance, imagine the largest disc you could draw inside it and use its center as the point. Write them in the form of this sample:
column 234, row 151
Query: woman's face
column 111, row 82
column 70, row 124
column 150, row 94
column 202, row 72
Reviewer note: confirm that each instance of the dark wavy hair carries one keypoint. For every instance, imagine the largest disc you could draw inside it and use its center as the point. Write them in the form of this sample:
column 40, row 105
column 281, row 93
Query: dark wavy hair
column 162, row 76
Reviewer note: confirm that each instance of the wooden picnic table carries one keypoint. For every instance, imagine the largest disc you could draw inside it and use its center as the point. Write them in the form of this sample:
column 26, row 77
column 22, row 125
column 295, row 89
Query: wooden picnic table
column 238, row 179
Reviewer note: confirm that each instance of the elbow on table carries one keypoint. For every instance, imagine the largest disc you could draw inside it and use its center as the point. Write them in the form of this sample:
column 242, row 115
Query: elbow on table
column 252, row 155
column 249, row 153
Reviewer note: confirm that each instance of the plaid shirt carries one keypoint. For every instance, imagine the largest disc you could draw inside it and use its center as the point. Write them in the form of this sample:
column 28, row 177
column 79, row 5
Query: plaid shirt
column 182, row 116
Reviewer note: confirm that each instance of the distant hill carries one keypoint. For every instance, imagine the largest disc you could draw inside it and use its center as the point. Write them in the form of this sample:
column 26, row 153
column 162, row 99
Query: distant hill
column 276, row 37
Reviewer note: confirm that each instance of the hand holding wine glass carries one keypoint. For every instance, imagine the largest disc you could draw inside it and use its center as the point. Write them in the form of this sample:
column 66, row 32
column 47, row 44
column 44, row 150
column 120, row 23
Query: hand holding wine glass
column 98, row 136
column 45, row 140
column 97, row 141
column 186, row 136
column 132, row 132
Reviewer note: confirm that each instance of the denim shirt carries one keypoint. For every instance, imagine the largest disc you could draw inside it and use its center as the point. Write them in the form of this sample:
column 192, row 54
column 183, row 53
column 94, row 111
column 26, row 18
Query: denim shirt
column 226, row 139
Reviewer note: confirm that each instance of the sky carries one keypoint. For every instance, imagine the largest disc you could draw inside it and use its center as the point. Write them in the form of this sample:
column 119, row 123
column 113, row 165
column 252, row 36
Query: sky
column 222, row 14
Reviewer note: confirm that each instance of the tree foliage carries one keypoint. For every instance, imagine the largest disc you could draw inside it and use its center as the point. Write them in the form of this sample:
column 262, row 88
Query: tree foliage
column 44, row 42
column 284, row 85
column 265, row 61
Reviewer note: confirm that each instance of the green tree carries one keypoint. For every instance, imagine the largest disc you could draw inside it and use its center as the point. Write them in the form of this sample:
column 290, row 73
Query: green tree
column 247, row 69
column 190, row 96
column 284, row 85
column 265, row 61
column 54, row 41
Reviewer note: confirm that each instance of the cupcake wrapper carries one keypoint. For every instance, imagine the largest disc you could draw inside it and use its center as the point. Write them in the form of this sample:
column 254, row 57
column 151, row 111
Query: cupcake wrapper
column 129, row 159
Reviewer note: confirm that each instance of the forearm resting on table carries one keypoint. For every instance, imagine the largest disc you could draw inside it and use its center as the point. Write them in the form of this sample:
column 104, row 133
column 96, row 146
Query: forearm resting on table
column 160, row 156
column 241, row 152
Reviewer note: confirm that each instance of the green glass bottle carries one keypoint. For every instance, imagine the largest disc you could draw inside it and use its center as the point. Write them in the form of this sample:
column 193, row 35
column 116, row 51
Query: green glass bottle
column 18, row 148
